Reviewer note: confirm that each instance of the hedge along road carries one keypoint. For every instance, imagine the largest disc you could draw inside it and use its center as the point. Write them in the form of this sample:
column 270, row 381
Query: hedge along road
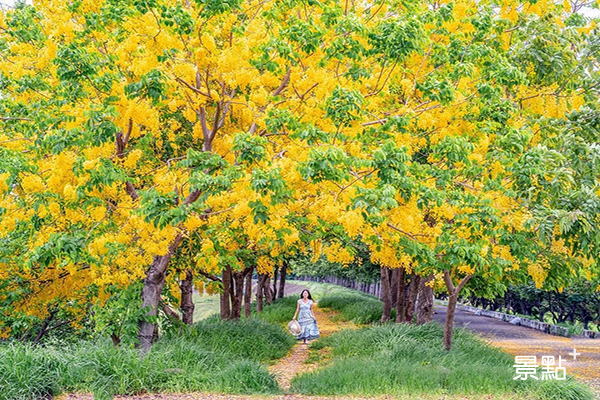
column 522, row 341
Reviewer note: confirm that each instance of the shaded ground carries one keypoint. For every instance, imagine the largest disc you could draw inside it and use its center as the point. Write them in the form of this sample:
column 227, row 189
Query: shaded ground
column 521, row 341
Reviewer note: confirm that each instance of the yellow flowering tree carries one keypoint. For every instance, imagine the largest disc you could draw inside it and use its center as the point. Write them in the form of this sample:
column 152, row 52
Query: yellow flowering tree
column 243, row 131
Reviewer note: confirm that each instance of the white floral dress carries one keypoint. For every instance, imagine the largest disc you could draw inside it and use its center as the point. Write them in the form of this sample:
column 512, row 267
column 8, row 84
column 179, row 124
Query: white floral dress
column 307, row 321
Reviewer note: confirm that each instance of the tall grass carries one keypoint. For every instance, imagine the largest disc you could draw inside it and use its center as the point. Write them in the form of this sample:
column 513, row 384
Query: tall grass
column 212, row 356
column 355, row 307
column 401, row 359
column 280, row 311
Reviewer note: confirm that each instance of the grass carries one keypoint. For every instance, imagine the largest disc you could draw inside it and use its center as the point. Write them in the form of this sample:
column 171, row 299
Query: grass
column 213, row 356
column 401, row 359
column 356, row 308
column 230, row 357
column 279, row 312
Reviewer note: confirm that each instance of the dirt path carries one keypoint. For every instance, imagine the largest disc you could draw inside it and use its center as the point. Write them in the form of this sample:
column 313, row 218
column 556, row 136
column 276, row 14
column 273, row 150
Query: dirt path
column 295, row 362
column 521, row 341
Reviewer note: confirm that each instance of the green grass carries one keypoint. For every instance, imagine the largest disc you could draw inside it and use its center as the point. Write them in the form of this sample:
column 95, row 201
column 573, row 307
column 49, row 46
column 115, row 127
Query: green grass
column 212, row 356
column 401, row 359
column 356, row 308
column 279, row 312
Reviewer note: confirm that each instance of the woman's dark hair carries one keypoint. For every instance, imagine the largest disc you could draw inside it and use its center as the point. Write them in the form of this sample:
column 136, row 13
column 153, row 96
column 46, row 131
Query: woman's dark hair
column 306, row 290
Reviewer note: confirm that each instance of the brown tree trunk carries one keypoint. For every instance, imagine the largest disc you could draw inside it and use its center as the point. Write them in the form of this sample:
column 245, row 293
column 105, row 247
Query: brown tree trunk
column 425, row 301
column 187, row 301
column 153, row 285
column 394, row 286
column 449, row 325
column 401, row 296
column 225, row 294
column 238, row 293
column 412, row 297
column 451, row 308
column 281, row 291
column 267, row 289
column 259, row 292
column 386, row 294
column 276, row 272
column 115, row 339
column 248, row 293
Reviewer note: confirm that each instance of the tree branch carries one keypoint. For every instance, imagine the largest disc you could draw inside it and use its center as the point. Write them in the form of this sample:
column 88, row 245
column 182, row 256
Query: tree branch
column 448, row 281
column 284, row 83
column 14, row 119
column 210, row 276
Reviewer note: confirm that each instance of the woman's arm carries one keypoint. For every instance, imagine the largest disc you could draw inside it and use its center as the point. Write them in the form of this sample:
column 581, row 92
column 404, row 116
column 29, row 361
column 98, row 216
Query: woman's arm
column 296, row 313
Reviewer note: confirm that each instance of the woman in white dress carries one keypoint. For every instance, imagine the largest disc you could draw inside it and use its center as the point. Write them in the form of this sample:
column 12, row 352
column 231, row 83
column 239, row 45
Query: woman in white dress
column 306, row 318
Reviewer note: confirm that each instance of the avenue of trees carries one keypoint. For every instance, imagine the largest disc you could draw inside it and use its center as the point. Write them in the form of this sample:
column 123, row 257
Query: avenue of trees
column 148, row 147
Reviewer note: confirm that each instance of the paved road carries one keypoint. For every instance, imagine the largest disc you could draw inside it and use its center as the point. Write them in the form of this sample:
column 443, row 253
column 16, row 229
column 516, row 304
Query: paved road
column 521, row 341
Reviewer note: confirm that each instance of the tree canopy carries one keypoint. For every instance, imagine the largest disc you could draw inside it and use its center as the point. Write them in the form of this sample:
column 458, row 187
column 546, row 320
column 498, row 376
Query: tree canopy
column 457, row 139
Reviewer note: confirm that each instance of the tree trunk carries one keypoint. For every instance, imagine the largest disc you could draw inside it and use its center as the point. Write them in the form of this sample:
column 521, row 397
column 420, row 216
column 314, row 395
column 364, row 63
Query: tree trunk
column 276, row 272
column 267, row 290
column 153, row 285
column 187, row 301
column 453, row 292
column 281, row 291
column 386, row 295
column 401, row 296
column 248, row 293
column 449, row 325
column 394, row 285
column 412, row 297
column 260, row 292
column 115, row 339
column 155, row 334
column 425, row 301
column 238, row 293
column 225, row 294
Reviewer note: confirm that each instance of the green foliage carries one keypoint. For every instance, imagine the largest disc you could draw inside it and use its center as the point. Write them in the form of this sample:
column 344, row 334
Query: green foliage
column 325, row 164
column 249, row 148
column 575, row 307
column 397, row 38
column 344, row 106
column 120, row 315
column 150, row 86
